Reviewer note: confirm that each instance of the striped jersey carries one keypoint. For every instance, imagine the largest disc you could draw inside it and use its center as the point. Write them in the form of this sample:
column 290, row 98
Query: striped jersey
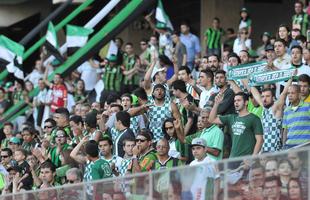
column 129, row 63
column 297, row 122
column 112, row 78
column 213, row 38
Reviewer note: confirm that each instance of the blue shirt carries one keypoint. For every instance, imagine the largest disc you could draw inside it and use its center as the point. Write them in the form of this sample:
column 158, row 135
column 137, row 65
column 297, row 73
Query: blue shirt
column 192, row 45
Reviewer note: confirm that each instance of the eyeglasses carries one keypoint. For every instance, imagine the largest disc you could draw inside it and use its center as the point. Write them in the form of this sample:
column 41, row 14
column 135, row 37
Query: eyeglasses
column 168, row 128
column 4, row 156
column 47, row 127
column 140, row 140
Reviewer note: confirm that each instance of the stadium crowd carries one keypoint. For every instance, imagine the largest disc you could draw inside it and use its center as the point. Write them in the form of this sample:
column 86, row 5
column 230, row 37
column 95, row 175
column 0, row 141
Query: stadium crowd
column 169, row 106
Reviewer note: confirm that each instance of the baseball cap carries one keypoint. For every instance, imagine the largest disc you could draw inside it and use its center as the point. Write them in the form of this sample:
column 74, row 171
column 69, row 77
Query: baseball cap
column 269, row 47
column 156, row 70
column 199, row 142
column 112, row 58
column 267, row 34
column 15, row 140
column 244, row 10
column 15, row 168
column 160, row 25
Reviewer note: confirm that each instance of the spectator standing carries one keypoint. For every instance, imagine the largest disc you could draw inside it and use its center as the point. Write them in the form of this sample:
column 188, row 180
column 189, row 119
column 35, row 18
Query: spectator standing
column 300, row 20
column 245, row 128
column 212, row 37
column 245, row 21
column 191, row 43
column 296, row 119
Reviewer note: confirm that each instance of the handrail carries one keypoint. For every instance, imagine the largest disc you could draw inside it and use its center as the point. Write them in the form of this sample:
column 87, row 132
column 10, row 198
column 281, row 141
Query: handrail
column 59, row 26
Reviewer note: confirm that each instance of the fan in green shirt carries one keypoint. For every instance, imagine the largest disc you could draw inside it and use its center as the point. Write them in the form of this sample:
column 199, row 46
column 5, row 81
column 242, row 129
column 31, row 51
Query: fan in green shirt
column 212, row 134
column 245, row 128
column 96, row 168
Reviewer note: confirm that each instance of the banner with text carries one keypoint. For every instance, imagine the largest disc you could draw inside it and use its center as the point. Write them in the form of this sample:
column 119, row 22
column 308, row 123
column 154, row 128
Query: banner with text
column 258, row 79
column 243, row 71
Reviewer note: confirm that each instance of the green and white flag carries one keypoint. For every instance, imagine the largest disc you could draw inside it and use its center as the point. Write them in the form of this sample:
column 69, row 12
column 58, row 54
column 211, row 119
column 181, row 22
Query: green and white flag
column 108, row 50
column 77, row 36
column 11, row 53
column 161, row 17
column 258, row 79
column 243, row 71
column 51, row 36
column 51, row 43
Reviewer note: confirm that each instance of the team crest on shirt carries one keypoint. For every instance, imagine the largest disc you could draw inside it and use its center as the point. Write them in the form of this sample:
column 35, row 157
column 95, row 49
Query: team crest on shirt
column 238, row 128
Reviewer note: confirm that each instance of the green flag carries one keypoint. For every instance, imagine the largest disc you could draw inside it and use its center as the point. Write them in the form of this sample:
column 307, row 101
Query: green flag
column 77, row 36
column 162, row 18
column 11, row 54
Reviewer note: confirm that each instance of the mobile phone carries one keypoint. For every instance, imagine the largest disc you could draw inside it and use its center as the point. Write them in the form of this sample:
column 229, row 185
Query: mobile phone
column 308, row 36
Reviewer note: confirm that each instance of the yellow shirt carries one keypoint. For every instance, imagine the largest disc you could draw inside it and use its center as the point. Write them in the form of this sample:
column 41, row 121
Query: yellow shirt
column 307, row 99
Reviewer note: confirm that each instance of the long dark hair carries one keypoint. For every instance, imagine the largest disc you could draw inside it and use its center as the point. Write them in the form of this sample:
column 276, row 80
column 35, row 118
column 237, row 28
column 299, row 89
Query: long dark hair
column 170, row 119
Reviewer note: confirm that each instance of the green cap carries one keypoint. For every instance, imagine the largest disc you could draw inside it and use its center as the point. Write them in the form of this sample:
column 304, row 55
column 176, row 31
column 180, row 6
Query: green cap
column 8, row 84
column 244, row 10
column 112, row 58
column 134, row 100
column 160, row 25
column 16, row 140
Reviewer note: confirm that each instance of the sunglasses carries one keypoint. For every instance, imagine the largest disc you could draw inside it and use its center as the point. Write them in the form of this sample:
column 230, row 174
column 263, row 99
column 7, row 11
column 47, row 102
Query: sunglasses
column 4, row 156
column 140, row 140
column 48, row 127
column 71, row 181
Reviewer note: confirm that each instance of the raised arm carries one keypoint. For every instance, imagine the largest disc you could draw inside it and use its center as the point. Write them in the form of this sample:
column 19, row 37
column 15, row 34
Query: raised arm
column 280, row 103
column 213, row 118
column 148, row 76
column 74, row 153
column 234, row 86
column 179, row 130
column 176, row 71
column 257, row 96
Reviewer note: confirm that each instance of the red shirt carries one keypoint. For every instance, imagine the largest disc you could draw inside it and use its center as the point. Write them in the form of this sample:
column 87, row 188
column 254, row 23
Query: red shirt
column 59, row 96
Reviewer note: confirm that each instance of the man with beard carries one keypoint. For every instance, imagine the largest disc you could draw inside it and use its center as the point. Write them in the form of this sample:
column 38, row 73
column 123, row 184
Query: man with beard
column 158, row 109
column 226, row 106
column 213, row 63
column 245, row 128
column 272, row 116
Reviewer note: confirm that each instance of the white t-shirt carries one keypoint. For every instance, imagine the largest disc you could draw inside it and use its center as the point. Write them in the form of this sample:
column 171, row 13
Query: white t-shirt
column 283, row 62
column 205, row 95
column 204, row 161
column 304, row 69
column 34, row 77
column 238, row 46
column 88, row 75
